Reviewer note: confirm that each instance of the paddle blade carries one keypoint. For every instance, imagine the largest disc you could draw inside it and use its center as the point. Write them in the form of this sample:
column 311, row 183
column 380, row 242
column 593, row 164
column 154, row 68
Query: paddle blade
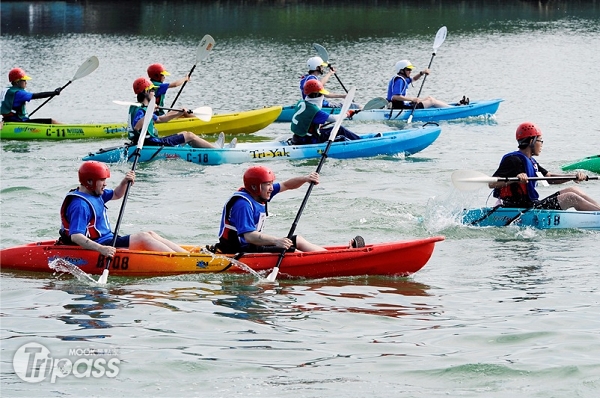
column 104, row 277
column 86, row 68
column 375, row 103
column 343, row 112
column 124, row 103
column 206, row 45
column 273, row 275
column 203, row 113
column 439, row 38
column 470, row 180
column 321, row 51
column 147, row 118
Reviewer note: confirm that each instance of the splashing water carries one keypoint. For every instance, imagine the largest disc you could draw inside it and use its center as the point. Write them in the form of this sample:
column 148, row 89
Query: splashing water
column 62, row 265
column 235, row 262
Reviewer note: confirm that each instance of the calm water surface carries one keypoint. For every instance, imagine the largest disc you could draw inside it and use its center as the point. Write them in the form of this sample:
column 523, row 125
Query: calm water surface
column 511, row 312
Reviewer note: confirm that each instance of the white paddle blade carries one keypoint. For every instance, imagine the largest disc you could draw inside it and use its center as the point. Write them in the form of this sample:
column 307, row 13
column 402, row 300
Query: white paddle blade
column 439, row 38
column 321, row 51
column 343, row 112
column 86, row 68
column 124, row 103
column 103, row 278
column 273, row 275
column 147, row 119
column 470, row 180
column 206, row 45
column 203, row 113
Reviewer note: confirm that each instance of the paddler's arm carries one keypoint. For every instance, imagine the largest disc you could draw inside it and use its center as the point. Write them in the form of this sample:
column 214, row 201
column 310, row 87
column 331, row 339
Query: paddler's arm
column 499, row 184
column 87, row 243
column 261, row 239
column 179, row 82
column 120, row 189
column 579, row 176
column 297, row 182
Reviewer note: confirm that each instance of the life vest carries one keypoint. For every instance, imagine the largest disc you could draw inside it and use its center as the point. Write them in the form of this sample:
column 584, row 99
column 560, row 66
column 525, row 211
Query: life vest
column 392, row 83
column 8, row 103
column 92, row 231
column 514, row 192
column 133, row 134
column 229, row 240
column 302, row 121
column 160, row 99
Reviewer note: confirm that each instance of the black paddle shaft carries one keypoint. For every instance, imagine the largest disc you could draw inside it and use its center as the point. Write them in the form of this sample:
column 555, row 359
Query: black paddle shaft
column 45, row 102
column 123, row 204
column 304, row 202
column 338, row 79
column 182, row 86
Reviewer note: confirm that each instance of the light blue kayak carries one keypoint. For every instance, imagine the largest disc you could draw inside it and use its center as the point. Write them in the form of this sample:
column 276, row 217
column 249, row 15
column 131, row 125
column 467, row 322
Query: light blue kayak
column 406, row 142
column 475, row 108
column 535, row 218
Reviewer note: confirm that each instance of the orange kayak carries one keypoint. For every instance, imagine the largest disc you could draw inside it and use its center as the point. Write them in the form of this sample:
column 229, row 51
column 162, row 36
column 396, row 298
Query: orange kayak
column 400, row 258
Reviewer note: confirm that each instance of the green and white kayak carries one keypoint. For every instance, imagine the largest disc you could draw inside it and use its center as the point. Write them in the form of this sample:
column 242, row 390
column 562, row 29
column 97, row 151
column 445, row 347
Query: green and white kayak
column 590, row 163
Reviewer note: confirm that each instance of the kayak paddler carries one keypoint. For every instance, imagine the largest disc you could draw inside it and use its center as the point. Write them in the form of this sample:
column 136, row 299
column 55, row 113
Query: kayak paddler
column 522, row 164
column 16, row 96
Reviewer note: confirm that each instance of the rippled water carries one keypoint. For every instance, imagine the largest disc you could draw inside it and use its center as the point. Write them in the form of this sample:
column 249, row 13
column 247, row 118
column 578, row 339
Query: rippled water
column 494, row 313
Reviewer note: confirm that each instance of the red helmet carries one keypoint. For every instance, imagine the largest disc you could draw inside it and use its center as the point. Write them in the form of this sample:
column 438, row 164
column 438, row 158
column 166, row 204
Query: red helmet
column 314, row 86
column 92, row 170
column 526, row 130
column 255, row 176
column 142, row 84
column 155, row 71
column 17, row 74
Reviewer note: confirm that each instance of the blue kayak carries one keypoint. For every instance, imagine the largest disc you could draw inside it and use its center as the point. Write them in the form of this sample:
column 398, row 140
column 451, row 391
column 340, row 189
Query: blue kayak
column 475, row 108
column 535, row 218
column 405, row 142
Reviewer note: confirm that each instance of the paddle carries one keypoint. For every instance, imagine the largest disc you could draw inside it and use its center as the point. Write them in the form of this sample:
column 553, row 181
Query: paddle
column 325, row 57
column 85, row 69
column 203, row 113
column 147, row 118
column 347, row 102
column 439, row 39
column 203, row 51
column 375, row 103
column 470, row 180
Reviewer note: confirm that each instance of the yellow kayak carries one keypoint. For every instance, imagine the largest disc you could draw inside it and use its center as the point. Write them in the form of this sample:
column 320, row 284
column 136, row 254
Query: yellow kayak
column 245, row 122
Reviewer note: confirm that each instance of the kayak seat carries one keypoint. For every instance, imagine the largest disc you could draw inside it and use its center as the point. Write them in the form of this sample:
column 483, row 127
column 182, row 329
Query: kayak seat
column 358, row 242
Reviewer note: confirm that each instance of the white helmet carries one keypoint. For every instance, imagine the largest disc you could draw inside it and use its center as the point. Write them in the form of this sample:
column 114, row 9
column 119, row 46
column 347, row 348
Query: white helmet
column 402, row 65
column 315, row 62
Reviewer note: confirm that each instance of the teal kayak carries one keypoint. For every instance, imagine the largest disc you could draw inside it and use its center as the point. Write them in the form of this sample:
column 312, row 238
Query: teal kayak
column 590, row 163
column 534, row 218
column 405, row 142
column 475, row 108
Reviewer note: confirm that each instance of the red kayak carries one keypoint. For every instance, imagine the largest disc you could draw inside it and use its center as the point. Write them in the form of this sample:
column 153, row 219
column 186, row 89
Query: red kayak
column 399, row 258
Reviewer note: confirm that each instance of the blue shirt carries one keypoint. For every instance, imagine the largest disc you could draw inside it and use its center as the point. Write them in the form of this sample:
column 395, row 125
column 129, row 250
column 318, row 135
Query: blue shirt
column 246, row 215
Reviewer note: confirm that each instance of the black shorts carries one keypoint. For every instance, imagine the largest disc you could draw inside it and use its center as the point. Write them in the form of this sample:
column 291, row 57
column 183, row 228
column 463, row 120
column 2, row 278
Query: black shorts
column 122, row 241
column 402, row 105
column 550, row 202
column 170, row 140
